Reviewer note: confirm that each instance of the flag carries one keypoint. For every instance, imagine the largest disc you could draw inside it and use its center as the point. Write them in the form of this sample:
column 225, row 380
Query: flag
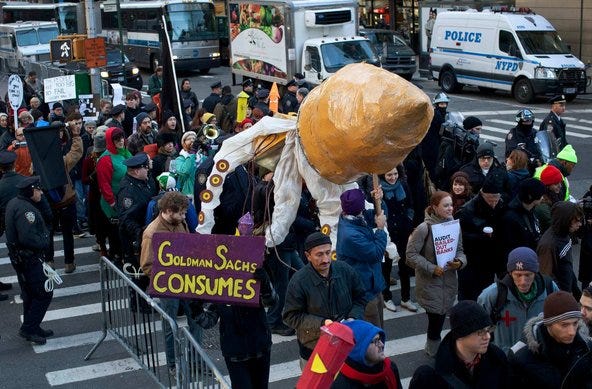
column 46, row 152
column 169, row 96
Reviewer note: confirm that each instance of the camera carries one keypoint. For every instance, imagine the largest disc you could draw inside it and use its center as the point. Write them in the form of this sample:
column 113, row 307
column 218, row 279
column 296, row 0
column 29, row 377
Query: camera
column 465, row 142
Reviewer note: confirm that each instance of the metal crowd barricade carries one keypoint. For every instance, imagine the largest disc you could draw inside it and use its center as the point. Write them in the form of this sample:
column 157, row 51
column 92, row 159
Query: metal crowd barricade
column 198, row 371
column 135, row 321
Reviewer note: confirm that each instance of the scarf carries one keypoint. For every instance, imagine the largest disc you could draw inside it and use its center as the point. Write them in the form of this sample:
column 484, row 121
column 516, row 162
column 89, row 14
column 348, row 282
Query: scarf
column 530, row 295
column 395, row 190
column 385, row 376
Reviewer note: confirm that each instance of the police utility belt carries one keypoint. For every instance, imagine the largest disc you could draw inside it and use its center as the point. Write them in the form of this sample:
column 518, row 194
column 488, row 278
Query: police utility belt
column 24, row 257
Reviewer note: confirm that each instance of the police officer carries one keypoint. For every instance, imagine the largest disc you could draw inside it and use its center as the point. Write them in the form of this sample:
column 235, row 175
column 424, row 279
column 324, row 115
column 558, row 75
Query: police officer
column 522, row 136
column 262, row 101
column 553, row 122
column 430, row 144
column 214, row 98
column 289, row 102
column 248, row 89
column 8, row 179
column 135, row 192
column 27, row 238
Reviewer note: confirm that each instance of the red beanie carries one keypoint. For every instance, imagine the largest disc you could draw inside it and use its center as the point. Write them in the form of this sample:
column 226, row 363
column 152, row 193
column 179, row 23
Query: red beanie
column 551, row 175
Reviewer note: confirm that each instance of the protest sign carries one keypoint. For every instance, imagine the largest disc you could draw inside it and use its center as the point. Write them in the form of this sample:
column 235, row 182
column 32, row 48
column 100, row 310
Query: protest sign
column 214, row 268
column 445, row 241
column 59, row 88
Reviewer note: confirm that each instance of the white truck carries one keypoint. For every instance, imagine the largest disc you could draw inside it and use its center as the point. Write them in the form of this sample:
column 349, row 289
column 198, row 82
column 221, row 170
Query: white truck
column 519, row 52
column 272, row 40
column 26, row 42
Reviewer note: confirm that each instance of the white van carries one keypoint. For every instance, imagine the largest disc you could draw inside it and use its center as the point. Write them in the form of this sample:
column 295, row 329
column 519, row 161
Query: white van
column 518, row 52
column 26, row 41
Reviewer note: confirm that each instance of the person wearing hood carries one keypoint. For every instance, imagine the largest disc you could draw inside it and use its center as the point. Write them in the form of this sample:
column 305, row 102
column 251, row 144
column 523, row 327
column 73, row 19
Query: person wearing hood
column 430, row 144
column 435, row 287
column 110, row 171
column 169, row 125
column 480, row 222
column 186, row 164
column 553, row 180
column 485, row 165
column 466, row 359
column 554, row 248
column 556, row 351
column 565, row 161
column 366, row 365
column 520, row 225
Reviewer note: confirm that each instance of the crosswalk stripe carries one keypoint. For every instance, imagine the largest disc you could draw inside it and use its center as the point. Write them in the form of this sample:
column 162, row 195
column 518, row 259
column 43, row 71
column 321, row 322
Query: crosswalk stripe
column 56, row 238
column 57, row 254
column 570, row 133
column 97, row 370
column 513, row 112
column 65, row 342
column 496, row 129
column 69, row 291
column 493, row 138
column 61, row 272
column 80, row 310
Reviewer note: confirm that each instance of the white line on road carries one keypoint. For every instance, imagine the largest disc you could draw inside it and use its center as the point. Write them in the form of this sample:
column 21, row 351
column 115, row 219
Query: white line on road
column 570, row 133
column 79, row 269
column 57, row 254
column 69, row 291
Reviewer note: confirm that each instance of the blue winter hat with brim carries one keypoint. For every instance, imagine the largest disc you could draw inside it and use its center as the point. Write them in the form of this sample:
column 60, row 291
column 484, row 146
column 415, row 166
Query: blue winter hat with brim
column 364, row 332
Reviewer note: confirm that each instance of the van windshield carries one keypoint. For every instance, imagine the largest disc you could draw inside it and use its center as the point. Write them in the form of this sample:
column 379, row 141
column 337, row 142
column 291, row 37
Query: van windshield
column 27, row 37
column 46, row 34
column 337, row 55
column 542, row 42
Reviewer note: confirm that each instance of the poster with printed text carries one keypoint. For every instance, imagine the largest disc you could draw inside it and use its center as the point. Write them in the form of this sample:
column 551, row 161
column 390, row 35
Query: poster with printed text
column 445, row 237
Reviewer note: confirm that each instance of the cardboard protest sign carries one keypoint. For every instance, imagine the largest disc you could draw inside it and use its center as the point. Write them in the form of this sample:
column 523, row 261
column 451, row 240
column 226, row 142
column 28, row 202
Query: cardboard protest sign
column 214, row 268
column 445, row 241
column 59, row 88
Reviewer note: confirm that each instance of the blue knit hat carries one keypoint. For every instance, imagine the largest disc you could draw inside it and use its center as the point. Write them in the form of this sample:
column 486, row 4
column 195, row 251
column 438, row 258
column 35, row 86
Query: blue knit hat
column 523, row 258
column 364, row 332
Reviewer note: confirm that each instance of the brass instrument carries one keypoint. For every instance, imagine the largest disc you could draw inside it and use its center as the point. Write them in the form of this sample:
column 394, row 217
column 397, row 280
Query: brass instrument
column 210, row 131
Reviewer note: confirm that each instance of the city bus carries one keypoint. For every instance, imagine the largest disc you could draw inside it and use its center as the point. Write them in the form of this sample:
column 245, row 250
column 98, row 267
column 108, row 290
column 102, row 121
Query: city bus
column 69, row 16
column 191, row 26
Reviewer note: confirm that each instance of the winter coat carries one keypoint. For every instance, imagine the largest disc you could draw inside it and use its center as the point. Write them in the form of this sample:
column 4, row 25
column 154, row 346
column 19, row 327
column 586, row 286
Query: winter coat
column 110, row 171
column 434, row 294
column 344, row 382
column 518, row 135
column 491, row 372
column 312, row 298
column 514, row 179
column 515, row 312
column 186, row 166
column 482, row 251
column 476, row 177
column 520, row 228
column 363, row 249
column 554, row 250
column 540, row 362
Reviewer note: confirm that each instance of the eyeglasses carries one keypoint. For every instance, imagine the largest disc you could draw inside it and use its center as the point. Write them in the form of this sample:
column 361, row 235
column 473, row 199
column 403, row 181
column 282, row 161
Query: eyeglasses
column 485, row 331
column 377, row 342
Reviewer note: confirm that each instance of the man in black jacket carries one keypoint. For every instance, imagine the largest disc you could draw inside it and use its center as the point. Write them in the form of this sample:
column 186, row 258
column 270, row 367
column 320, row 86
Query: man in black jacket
column 553, row 122
column 557, row 352
column 520, row 225
column 466, row 358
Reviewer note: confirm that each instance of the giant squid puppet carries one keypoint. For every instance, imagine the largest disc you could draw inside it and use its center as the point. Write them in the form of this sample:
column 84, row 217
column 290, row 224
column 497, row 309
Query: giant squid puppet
column 362, row 120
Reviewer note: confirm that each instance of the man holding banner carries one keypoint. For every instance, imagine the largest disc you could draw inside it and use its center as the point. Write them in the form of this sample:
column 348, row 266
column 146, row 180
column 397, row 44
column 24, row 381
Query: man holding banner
column 171, row 218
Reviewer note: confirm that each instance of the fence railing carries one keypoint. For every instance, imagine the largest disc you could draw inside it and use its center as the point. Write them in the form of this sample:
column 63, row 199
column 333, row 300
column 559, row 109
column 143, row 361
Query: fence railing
column 135, row 321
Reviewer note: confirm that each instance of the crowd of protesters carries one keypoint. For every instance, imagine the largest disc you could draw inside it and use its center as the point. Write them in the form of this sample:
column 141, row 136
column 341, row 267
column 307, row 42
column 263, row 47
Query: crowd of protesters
column 510, row 290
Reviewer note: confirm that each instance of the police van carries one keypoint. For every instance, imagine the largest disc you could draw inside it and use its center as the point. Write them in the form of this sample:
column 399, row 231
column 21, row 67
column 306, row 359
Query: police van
column 518, row 52
column 26, row 41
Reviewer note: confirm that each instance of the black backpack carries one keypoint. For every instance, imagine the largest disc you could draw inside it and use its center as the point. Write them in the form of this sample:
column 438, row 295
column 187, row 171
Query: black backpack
column 502, row 295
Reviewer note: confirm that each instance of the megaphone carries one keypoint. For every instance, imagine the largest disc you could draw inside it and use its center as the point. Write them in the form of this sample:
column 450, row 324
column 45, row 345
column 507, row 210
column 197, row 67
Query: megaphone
column 210, row 131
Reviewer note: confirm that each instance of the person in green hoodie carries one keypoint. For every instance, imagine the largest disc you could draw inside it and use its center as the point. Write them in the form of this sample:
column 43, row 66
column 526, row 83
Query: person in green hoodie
column 110, row 170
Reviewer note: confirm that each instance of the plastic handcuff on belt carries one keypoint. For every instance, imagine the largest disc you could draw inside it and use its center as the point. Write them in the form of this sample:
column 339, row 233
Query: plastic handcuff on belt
column 53, row 278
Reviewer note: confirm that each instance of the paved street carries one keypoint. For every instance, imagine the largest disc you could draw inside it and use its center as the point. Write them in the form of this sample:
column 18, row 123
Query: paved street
column 75, row 312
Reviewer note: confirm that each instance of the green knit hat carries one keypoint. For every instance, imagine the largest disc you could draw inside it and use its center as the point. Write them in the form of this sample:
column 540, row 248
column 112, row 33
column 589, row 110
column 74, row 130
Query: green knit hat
column 568, row 154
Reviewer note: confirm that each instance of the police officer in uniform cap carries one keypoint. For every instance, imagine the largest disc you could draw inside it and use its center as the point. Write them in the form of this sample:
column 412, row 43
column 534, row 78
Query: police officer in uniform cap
column 27, row 238
column 8, row 180
column 214, row 98
column 262, row 101
column 289, row 102
column 553, row 122
column 248, row 89
column 135, row 192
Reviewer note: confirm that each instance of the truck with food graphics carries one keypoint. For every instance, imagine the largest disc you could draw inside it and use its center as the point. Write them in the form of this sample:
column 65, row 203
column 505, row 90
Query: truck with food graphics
column 516, row 51
column 273, row 40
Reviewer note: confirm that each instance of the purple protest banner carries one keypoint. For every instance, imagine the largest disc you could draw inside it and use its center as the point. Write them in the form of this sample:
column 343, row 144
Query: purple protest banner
column 214, row 268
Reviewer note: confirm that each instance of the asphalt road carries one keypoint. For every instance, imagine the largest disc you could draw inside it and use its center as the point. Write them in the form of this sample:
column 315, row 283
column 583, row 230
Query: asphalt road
column 75, row 313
